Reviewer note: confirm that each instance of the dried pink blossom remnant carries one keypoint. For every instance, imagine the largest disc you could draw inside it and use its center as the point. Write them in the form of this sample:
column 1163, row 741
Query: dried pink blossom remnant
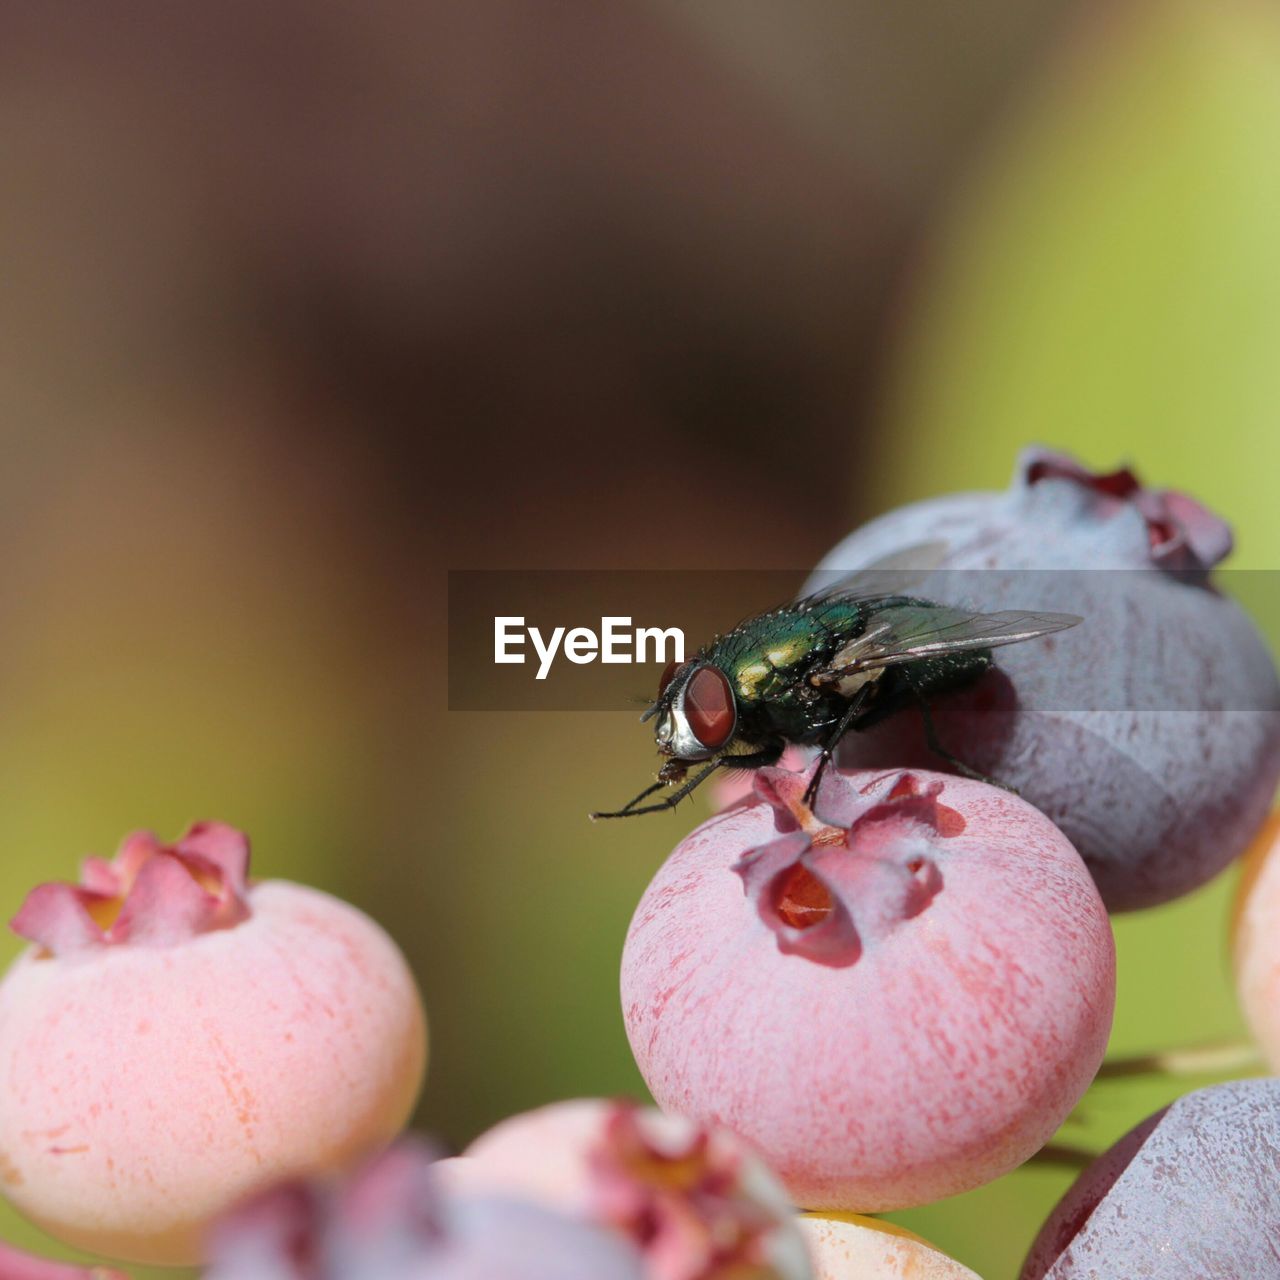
column 1181, row 532
column 865, row 865
column 150, row 894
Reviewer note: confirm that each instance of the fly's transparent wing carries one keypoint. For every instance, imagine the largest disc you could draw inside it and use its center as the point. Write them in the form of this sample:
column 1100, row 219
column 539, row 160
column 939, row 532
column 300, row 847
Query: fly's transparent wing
column 896, row 574
column 905, row 633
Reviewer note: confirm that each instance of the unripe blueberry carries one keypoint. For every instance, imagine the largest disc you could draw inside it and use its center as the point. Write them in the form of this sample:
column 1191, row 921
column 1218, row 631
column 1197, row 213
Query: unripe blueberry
column 894, row 998
column 1191, row 1192
column 176, row 1037
column 694, row 1201
column 1151, row 733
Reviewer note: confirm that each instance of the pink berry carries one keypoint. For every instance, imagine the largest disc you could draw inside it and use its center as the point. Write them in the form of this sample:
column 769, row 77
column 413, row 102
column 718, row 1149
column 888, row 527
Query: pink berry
column 176, row 1037
column 849, row 1247
column 694, row 1202
column 392, row 1220
column 1151, row 732
column 894, row 998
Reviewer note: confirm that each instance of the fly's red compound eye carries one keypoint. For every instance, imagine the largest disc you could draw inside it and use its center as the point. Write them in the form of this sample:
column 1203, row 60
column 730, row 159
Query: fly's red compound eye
column 709, row 707
column 669, row 674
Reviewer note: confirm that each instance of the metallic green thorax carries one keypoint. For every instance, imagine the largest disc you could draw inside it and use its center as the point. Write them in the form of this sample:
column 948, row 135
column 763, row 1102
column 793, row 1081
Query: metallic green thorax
column 769, row 658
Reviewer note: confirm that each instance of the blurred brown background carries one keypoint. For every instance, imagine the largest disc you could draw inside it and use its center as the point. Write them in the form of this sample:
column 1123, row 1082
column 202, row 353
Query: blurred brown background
column 305, row 304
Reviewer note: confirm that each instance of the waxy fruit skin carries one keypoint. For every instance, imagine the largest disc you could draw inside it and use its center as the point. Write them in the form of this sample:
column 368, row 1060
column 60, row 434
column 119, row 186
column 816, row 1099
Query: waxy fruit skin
column 1150, row 733
column 925, row 1035
column 1192, row 1193
column 149, row 1081
column 848, row 1247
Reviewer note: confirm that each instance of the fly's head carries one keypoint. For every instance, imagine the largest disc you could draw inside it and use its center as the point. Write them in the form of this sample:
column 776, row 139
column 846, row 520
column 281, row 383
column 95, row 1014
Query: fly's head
column 695, row 714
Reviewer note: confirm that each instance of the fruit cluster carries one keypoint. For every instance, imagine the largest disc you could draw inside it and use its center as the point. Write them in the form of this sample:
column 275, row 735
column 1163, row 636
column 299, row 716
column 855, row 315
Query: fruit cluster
column 889, row 995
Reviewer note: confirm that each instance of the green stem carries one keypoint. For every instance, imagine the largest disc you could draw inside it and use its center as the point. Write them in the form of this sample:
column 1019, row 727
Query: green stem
column 1062, row 1156
column 1223, row 1058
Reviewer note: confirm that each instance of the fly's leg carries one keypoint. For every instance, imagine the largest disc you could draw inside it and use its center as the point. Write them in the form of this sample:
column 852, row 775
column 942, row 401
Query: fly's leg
column 756, row 760
column 931, row 739
column 631, row 804
column 669, row 802
column 855, row 707
column 665, row 778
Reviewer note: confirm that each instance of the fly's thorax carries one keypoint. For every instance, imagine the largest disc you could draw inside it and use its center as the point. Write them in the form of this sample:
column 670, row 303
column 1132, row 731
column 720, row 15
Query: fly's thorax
column 766, row 658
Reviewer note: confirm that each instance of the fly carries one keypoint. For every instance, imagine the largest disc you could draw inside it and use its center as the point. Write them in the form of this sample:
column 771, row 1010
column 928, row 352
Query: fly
column 807, row 673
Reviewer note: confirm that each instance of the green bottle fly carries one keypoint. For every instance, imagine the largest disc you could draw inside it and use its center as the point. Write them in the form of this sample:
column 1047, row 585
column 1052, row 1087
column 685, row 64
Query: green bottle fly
column 807, row 673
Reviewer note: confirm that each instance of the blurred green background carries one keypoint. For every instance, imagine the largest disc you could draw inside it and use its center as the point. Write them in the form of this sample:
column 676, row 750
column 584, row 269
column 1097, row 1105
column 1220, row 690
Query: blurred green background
column 305, row 305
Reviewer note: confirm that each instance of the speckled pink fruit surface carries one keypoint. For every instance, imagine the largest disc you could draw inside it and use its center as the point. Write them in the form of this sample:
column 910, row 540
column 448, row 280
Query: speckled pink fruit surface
column 176, row 1037
column 695, row 1202
column 391, row 1219
column 848, row 1247
column 1192, row 1193
column 1256, row 940
column 894, row 998
column 1150, row 733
